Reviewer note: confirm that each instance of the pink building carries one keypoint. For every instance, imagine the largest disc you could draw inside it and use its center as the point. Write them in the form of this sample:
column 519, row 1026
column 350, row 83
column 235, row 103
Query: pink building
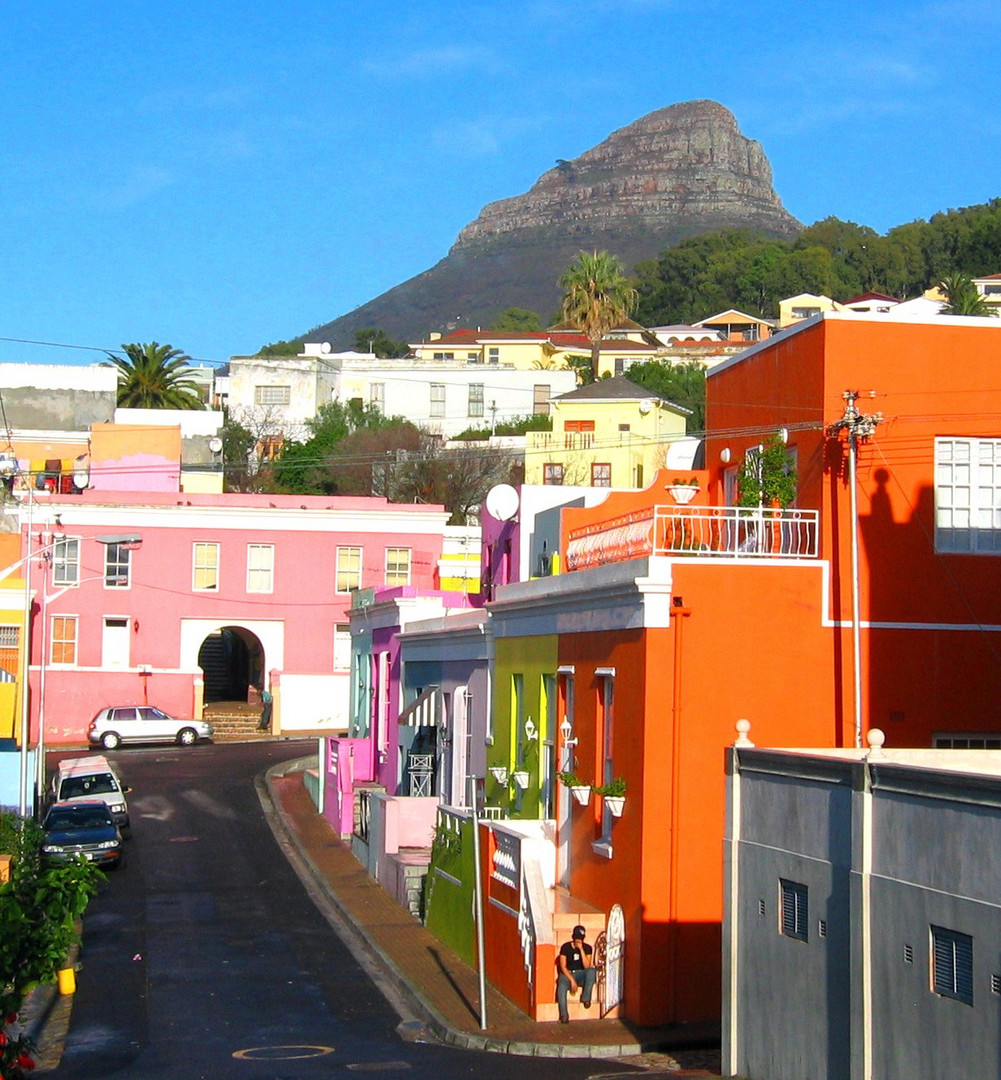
column 228, row 594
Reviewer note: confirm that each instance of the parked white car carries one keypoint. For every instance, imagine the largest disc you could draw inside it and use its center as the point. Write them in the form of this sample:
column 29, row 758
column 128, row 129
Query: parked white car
column 143, row 724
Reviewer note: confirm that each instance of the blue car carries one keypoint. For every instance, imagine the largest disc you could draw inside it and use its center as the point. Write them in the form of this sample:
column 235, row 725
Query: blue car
column 82, row 828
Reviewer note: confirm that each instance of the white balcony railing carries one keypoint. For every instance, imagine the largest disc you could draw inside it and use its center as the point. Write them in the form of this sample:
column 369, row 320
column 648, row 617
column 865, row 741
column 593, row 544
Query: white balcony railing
column 735, row 532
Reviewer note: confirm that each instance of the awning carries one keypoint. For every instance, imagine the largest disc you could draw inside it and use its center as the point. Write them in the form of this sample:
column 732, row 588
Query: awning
column 422, row 712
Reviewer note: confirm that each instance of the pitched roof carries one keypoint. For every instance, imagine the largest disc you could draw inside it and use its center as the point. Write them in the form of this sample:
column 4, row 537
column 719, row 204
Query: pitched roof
column 618, row 389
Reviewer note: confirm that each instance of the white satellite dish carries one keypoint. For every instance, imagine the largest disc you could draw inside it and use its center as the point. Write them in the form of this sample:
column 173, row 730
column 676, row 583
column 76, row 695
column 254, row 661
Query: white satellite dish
column 215, row 444
column 502, row 502
column 325, row 348
column 645, row 406
column 81, row 478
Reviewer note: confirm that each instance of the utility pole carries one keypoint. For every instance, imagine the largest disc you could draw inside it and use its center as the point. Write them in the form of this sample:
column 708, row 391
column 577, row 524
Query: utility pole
column 493, row 418
column 859, row 426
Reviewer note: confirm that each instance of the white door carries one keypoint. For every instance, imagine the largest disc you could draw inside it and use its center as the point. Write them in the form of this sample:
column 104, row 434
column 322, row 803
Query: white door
column 115, row 644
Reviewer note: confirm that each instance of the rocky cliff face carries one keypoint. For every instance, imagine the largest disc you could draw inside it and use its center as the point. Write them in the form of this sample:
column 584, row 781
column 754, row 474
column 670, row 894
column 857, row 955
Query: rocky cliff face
column 675, row 173
column 684, row 164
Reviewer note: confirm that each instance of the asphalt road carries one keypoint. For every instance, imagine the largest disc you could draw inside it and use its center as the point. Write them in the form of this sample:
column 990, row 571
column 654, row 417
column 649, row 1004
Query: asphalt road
column 205, row 957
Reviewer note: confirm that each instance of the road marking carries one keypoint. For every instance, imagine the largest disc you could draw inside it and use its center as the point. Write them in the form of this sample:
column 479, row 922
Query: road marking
column 282, row 1053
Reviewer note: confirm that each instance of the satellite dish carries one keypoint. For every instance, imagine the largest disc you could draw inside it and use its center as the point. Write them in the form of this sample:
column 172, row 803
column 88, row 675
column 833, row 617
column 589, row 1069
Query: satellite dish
column 325, row 348
column 215, row 444
column 81, row 478
column 645, row 406
column 502, row 502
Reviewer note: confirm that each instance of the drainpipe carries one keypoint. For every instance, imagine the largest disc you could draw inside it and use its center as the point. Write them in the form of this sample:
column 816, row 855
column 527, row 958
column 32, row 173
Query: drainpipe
column 678, row 613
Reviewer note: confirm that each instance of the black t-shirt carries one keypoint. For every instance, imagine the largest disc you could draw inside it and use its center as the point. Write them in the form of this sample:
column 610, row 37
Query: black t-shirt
column 574, row 956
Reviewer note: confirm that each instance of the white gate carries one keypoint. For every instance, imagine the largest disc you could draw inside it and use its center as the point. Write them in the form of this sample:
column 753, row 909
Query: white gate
column 614, row 948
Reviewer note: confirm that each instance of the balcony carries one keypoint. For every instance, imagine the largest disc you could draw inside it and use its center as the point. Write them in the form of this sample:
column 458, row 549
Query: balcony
column 731, row 532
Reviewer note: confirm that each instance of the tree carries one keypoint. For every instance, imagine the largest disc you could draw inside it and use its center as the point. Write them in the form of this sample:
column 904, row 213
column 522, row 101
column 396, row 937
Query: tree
column 281, row 348
column 596, row 297
column 682, row 384
column 517, row 320
column 767, row 476
column 962, row 297
column 379, row 342
column 154, row 376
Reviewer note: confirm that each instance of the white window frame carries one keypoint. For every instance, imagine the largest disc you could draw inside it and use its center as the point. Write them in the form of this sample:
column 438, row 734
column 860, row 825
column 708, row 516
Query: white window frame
column 117, row 565
column 66, row 561
column 64, row 641
column 204, row 564
column 377, row 395
column 541, row 396
column 272, row 395
column 476, row 399
column 260, row 568
column 342, row 647
column 116, row 642
column 342, row 572
column 968, row 496
column 395, row 576
column 436, row 404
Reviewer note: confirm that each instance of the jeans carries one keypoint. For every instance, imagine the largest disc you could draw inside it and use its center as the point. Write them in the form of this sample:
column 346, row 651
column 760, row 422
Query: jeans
column 585, row 980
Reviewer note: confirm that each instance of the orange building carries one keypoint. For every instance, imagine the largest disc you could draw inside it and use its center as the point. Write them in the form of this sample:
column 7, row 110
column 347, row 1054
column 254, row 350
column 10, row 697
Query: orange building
column 677, row 619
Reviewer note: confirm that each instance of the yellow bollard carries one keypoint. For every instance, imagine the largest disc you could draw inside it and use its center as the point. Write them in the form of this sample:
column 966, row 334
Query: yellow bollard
column 67, row 981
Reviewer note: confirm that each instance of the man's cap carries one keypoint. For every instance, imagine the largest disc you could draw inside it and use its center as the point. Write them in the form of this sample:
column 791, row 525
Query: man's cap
column 578, row 932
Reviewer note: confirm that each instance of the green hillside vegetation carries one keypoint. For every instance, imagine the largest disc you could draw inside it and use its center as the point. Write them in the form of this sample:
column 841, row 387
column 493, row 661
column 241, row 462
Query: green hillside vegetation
column 735, row 268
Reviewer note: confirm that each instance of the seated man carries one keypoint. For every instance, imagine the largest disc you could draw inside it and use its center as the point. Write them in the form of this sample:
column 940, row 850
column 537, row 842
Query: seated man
column 576, row 969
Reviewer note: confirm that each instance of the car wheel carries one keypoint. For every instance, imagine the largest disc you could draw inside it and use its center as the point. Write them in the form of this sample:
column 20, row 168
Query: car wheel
column 111, row 740
column 187, row 736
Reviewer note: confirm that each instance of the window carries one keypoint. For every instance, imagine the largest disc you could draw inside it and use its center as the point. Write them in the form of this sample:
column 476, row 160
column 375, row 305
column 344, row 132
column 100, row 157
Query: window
column 66, row 562
column 437, row 407
column 476, row 399
column 552, row 473
column 578, row 425
column 260, row 568
column 342, row 647
column 793, row 909
column 605, row 715
column 973, row 741
column 968, row 495
column 10, row 637
column 444, row 356
column 377, row 395
column 348, row 569
column 270, row 447
column 952, row 964
column 540, row 399
column 397, row 566
column 272, row 395
column 620, row 365
column 206, row 567
column 63, row 641
column 117, row 566
column 805, row 312
column 601, row 475
column 493, row 355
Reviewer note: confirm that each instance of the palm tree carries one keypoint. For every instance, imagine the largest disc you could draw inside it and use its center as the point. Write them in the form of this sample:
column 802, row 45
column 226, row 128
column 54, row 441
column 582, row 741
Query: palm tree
column 596, row 297
column 962, row 297
column 153, row 376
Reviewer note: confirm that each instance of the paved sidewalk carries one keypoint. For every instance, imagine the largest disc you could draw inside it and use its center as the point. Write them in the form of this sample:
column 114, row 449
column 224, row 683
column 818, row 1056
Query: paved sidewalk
column 443, row 989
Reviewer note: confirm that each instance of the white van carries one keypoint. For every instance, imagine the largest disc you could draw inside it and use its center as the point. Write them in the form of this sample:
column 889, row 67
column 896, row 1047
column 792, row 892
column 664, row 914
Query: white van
column 92, row 777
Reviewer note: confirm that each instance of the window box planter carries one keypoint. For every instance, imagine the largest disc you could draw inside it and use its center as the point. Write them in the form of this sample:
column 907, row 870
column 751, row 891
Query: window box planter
column 499, row 773
column 615, row 804
column 683, row 493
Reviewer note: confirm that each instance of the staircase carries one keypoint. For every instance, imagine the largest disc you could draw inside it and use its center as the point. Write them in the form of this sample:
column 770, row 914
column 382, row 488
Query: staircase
column 234, row 721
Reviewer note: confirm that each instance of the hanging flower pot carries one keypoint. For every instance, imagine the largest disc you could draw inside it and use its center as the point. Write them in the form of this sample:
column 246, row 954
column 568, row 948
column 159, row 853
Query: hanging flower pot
column 683, row 492
column 582, row 793
column 520, row 777
column 499, row 773
column 615, row 803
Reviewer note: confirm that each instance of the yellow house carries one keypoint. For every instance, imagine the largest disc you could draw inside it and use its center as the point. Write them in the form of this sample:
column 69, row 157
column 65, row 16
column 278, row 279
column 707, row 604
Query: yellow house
column 543, row 349
column 610, row 433
column 795, row 309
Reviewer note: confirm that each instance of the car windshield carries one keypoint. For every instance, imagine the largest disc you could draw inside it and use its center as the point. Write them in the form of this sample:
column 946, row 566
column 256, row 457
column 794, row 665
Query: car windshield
column 75, row 787
column 83, row 819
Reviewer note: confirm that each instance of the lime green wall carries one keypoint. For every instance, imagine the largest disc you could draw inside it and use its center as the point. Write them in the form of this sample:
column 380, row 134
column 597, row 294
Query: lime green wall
column 523, row 662
column 448, row 895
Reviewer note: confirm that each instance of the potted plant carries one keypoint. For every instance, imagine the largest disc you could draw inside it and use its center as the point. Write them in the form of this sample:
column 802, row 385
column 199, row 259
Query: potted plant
column 683, row 491
column 520, row 777
column 614, row 795
column 499, row 773
column 580, row 791
column 767, row 477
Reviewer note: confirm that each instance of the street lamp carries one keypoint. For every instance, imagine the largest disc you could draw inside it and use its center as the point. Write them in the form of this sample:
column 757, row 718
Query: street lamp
column 128, row 541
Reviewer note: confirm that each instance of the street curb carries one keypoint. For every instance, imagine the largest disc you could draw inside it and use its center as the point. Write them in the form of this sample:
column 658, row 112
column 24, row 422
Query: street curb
column 435, row 1021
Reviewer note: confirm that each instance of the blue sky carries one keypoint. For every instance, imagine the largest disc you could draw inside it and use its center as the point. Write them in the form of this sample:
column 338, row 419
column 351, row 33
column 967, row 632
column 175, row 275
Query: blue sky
column 222, row 175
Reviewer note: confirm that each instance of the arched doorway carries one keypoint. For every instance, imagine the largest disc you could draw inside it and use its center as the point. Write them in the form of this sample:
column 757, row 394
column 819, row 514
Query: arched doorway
column 232, row 659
